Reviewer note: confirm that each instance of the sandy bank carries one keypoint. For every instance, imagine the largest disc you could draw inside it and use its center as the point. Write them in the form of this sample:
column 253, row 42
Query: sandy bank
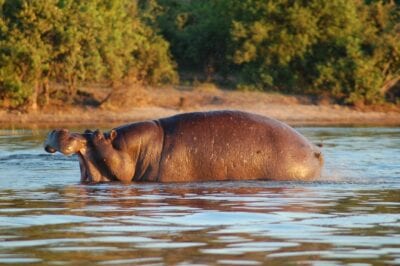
column 124, row 107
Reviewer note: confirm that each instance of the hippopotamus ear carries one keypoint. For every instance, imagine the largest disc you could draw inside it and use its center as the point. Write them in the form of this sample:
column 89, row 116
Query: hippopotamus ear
column 97, row 134
column 113, row 134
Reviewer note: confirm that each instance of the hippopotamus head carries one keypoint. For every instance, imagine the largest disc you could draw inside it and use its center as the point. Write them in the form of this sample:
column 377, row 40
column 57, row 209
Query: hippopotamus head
column 67, row 143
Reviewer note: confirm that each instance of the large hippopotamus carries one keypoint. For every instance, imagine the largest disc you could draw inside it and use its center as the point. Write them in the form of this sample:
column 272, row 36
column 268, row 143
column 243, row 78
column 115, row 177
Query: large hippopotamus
column 199, row 146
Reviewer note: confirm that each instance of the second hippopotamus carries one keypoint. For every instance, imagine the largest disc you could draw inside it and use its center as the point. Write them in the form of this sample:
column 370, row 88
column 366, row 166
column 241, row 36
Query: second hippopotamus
column 193, row 147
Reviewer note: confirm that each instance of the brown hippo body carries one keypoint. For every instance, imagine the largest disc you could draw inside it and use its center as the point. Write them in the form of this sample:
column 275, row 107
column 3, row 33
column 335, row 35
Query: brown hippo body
column 202, row 146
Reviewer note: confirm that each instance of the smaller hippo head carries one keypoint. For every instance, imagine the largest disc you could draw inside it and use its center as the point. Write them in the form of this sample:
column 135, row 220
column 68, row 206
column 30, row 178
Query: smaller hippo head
column 65, row 142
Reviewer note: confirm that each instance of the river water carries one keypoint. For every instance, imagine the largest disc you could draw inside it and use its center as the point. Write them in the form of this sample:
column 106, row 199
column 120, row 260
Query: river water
column 349, row 217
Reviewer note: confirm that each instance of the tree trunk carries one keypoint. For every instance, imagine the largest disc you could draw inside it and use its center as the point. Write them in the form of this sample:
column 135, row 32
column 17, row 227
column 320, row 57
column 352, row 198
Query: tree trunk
column 389, row 84
column 72, row 88
column 209, row 70
column 46, row 92
column 33, row 102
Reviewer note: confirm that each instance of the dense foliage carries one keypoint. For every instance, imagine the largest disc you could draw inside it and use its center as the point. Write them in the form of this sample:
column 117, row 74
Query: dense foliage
column 349, row 50
column 346, row 49
column 199, row 33
column 69, row 41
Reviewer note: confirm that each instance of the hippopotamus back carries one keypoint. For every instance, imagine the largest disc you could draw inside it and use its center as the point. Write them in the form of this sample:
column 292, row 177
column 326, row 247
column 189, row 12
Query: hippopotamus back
column 233, row 145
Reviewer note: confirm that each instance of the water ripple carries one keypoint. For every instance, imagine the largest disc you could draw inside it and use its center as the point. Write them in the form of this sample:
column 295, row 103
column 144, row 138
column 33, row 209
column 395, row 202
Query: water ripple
column 349, row 217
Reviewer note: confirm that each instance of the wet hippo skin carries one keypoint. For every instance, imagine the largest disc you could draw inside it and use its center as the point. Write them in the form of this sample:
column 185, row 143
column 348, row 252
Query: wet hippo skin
column 192, row 147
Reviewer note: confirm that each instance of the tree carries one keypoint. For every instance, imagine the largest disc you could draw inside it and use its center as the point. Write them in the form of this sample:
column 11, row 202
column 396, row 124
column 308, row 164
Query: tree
column 69, row 41
column 24, row 50
column 382, row 41
column 346, row 49
column 199, row 33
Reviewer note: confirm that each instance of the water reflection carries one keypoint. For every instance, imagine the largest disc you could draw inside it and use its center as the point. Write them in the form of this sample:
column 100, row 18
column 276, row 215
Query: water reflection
column 47, row 217
column 208, row 223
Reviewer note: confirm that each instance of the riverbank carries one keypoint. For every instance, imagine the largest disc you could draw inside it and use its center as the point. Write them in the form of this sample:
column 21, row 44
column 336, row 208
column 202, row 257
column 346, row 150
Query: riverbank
column 135, row 104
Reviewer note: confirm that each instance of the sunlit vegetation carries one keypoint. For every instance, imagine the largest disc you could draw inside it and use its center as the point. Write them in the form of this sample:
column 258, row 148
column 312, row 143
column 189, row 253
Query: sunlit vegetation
column 68, row 41
column 346, row 50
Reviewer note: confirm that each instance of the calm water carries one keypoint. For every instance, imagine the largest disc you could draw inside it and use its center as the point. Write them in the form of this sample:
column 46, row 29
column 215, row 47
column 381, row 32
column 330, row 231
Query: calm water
column 350, row 217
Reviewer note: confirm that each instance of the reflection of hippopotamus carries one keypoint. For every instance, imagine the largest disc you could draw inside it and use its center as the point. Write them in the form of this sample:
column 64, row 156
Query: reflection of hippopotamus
column 203, row 146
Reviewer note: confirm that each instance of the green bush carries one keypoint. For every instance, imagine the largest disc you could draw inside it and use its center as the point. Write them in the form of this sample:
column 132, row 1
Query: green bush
column 199, row 34
column 338, row 47
column 346, row 49
column 71, row 41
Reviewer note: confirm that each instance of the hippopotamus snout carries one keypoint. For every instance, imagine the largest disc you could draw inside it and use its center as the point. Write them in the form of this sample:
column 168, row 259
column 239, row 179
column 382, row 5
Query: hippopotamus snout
column 50, row 140
column 49, row 149
column 63, row 141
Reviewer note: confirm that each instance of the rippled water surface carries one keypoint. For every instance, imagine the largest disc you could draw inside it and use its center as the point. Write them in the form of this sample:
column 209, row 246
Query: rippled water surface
column 350, row 217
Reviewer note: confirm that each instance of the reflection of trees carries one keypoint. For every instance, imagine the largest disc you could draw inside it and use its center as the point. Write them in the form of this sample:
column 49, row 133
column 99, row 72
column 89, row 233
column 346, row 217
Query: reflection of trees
column 368, row 201
column 21, row 139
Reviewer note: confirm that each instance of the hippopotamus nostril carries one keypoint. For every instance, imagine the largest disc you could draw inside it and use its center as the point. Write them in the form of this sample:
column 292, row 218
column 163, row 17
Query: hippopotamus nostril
column 49, row 149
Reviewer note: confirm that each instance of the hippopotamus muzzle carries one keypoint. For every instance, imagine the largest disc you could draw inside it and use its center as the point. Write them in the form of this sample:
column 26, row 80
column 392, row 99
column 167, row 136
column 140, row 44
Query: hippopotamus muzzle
column 50, row 149
column 65, row 142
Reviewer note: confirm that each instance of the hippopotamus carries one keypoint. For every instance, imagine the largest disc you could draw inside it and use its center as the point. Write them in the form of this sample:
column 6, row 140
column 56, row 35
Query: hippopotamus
column 192, row 147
